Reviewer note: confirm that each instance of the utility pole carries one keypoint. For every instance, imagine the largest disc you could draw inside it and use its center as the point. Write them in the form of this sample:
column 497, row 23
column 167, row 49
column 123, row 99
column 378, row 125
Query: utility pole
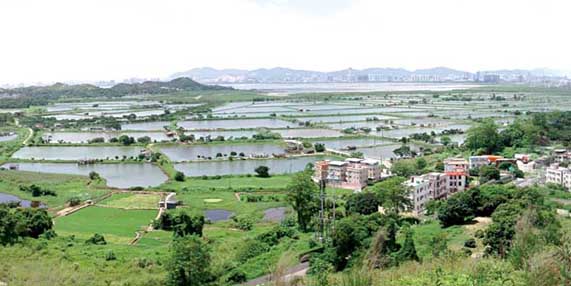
column 322, row 212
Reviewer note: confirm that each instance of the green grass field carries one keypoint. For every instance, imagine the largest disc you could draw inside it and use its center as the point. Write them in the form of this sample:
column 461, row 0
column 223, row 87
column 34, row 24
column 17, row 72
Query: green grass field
column 116, row 225
column 65, row 186
column 197, row 201
column 277, row 182
column 424, row 232
column 132, row 201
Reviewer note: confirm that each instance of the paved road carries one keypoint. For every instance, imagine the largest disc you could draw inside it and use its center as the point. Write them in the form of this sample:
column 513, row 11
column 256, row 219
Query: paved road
column 295, row 271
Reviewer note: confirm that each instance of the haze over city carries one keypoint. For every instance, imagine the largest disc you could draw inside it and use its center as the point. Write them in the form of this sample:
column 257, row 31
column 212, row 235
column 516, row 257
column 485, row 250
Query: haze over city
column 65, row 40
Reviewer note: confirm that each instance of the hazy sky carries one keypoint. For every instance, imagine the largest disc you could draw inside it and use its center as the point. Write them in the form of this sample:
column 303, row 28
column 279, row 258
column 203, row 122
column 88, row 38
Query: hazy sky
column 59, row 40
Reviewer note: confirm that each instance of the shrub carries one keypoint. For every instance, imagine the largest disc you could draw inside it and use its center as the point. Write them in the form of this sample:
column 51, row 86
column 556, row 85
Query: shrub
column 243, row 222
column 94, row 176
column 110, row 255
column 263, row 171
column 470, row 243
column 236, row 277
column 480, row 234
column 179, row 177
column 73, row 201
column 96, row 239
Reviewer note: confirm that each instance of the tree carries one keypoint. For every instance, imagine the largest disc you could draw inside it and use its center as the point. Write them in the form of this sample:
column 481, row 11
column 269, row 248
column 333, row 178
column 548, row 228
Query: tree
column 362, row 203
column 96, row 239
column 408, row 250
column 348, row 236
column 94, row 176
column 445, row 140
column 404, row 168
column 403, row 151
column 303, row 197
column 484, row 136
column 179, row 176
column 74, row 201
column 144, row 140
column 488, row 173
column 459, row 208
column 126, row 140
column 184, row 224
column 421, row 163
column 189, row 262
column 262, row 171
column 319, row 147
column 393, row 195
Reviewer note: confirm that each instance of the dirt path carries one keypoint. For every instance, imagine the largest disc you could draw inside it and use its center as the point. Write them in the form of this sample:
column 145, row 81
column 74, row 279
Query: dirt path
column 299, row 270
column 30, row 135
column 139, row 234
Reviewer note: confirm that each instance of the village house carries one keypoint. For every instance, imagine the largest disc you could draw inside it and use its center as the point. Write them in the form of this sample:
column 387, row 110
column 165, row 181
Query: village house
column 353, row 173
column 561, row 155
column 438, row 185
column 558, row 175
column 456, row 165
column 483, row 160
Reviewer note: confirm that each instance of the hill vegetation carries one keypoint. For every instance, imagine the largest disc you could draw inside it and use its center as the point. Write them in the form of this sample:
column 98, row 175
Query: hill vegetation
column 41, row 95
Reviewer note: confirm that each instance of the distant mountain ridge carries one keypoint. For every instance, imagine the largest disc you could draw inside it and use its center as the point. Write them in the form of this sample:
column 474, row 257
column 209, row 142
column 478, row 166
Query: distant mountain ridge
column 40, row 95
column 281, row 74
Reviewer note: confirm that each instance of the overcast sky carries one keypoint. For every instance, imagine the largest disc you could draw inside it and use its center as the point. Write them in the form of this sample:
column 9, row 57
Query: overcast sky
column 62, row 40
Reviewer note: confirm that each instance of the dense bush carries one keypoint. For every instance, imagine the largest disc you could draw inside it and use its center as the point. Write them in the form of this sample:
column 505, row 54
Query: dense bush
column 37, row 191
column 96, row 239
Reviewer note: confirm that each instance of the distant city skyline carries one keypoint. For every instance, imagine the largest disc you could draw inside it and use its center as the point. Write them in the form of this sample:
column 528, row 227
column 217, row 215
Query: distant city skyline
column 94, row 40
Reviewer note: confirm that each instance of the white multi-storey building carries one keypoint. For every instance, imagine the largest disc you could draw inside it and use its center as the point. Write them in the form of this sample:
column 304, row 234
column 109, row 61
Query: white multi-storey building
column 555, row 174
column 420, row 194
column 434, row 186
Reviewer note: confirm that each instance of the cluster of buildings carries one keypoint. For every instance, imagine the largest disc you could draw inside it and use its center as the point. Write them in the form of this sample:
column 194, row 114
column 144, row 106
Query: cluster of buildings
column 556, row 173
column 353, row 173
column 438, row 185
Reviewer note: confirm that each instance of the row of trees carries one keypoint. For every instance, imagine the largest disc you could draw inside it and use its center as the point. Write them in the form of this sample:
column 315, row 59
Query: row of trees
column 539, row 129
column 508, row 206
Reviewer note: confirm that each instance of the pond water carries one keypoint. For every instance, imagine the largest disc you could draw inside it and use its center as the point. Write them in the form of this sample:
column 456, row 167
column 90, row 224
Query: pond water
column 99, row 105
column 76, row 152
column 275, row 214
column 243, row 167
column 338, row 119
column 68, row 116
column 117, row 175
column 84, row 137
column 121, row 113
column 146, row 126
column 340, row 144
column 308, row 133
column 6, row 138
column 218, row 215
column 7, row 198
column 191, row 152
column 378, row 152
column 457, row 138
column 235, row 124
column 225, row 134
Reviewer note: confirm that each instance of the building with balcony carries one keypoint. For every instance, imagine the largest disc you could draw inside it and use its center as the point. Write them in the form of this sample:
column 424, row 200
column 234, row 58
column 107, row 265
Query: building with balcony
column 353, row 173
